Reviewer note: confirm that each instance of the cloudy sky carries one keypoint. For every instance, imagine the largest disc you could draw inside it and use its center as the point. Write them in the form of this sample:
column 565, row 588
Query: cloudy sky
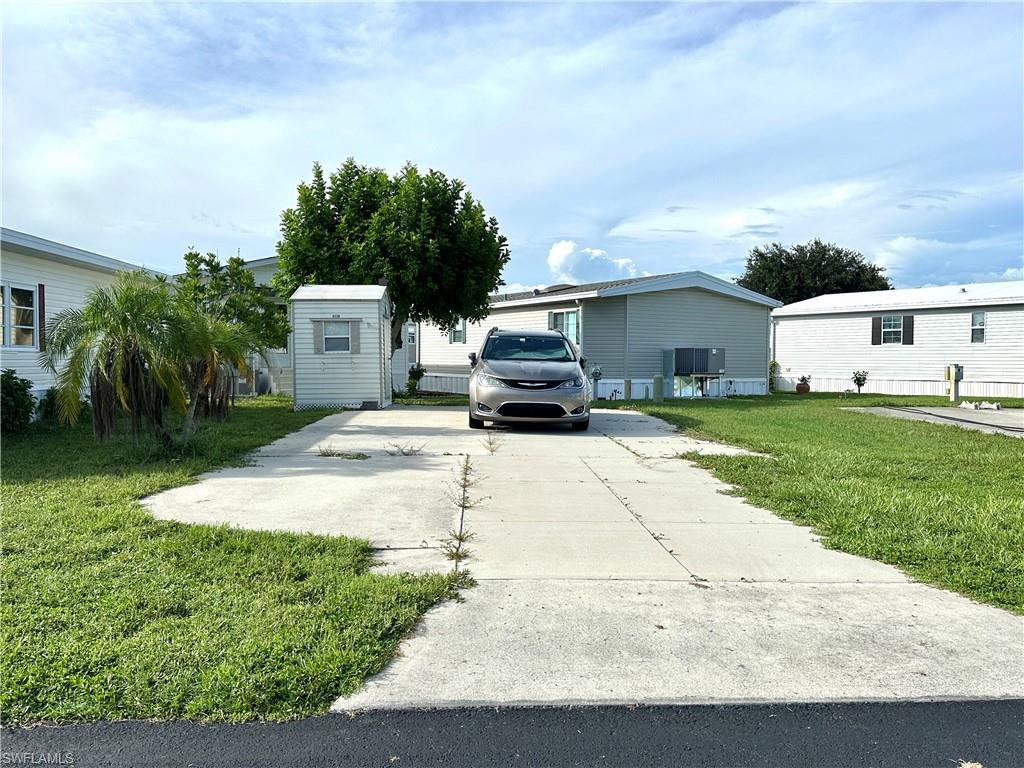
column 607, row 139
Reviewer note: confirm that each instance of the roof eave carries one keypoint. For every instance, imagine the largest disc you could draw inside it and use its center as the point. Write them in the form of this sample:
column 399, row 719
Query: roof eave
column 30, row 245
column 976, row 302
column 691, row 280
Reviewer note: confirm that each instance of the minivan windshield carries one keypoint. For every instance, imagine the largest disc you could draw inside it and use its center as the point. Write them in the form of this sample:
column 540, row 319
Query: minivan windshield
column 552, row 349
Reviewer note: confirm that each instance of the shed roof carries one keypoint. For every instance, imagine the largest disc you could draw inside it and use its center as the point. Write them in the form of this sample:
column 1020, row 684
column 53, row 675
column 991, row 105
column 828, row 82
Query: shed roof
column 968, row 294
column 631, row 285
column 339, row 292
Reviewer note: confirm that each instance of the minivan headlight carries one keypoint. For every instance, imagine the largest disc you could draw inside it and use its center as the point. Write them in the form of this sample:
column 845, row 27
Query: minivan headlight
column 489, row 381
column 572, row 383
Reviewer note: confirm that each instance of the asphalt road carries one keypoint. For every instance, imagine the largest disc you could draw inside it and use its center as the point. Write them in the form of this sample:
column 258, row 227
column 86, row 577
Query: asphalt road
column 902, row 735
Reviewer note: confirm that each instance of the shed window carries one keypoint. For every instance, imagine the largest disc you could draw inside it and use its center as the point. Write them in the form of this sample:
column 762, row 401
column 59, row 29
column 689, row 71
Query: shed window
column 337, row 336
column 977, row 327
column 457, row 335
column 892, row 329
column 19, row 316
column 568, row 322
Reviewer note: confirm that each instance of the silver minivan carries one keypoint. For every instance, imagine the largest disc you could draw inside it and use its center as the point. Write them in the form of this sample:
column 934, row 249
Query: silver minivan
column 528, row 376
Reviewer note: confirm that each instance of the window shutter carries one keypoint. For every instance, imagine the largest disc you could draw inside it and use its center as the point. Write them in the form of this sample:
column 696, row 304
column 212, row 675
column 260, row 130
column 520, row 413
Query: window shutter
column 908, row 329
column 41, row 316
column 551, row 321
column 353, row 330
column 318, row 337
column 464, row 334
column 876, row 331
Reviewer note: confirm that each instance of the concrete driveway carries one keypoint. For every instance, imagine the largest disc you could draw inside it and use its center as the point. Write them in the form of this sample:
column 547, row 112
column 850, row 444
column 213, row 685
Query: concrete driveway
column 609, row 571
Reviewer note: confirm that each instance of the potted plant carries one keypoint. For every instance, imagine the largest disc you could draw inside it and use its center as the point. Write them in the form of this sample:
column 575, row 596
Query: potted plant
column 803, row 385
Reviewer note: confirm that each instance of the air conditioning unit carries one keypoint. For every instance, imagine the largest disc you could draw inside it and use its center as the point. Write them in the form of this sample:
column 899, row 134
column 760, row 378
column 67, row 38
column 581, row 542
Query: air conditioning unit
column 694, row 361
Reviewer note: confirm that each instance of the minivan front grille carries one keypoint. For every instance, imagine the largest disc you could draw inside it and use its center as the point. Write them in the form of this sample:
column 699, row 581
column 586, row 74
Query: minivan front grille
column 532, row 410
column 535, row 385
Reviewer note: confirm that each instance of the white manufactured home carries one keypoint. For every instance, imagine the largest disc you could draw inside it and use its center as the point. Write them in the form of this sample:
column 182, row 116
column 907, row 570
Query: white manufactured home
column 905, row 339
column 340, row 346
column 41, row 278
column 624, row 328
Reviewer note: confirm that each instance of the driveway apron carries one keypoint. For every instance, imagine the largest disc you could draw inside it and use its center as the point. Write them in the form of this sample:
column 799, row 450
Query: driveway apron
column 608, row 571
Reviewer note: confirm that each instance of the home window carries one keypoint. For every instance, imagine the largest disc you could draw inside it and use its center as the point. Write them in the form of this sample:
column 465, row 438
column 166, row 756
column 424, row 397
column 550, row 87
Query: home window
column 457, row 335
column 19, row 316
column 977, row 327
column 892, row 329
column 337, row 336
column 568, row 322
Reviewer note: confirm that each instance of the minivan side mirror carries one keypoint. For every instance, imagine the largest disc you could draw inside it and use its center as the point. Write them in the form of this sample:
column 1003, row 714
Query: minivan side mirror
column 583, row 362
column 472, row 358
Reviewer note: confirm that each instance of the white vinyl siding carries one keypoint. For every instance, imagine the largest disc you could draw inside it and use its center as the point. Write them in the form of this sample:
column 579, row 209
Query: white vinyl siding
column 829, row 348
column 437, row 354
column 67, row 286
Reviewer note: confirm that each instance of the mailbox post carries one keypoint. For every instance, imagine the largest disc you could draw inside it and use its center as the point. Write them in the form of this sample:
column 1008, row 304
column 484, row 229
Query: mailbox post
column 954, row 375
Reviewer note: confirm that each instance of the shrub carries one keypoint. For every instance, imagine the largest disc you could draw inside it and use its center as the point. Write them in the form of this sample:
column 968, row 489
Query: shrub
column 859, row 378
column 16, row 402
column 416, row 372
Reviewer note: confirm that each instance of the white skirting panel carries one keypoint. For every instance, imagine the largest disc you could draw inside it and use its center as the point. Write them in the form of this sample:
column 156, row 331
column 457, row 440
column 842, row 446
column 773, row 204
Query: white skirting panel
column 642, row 389
column 452, row 383
column 907, row 387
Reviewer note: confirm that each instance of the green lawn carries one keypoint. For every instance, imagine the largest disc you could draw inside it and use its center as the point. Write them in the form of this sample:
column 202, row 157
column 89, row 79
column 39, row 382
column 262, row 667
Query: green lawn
column 109, row 613
column 946, row 505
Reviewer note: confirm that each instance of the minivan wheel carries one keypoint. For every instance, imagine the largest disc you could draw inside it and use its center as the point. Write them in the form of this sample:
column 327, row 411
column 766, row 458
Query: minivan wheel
column 475, row 423
column 580, row 426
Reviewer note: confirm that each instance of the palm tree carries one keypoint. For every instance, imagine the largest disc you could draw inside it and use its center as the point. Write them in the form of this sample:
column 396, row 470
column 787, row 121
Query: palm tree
column 213, row 349
column 125, row 345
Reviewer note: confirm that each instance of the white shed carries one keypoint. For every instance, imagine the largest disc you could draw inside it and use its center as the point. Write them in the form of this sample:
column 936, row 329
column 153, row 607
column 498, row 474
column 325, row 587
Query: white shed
column 341, row 346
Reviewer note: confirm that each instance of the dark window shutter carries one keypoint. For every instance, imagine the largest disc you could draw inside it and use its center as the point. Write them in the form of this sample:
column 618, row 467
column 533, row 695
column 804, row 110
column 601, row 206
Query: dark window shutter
column 551, row 321
column 464, row 334
column 41, row 315
column 908, row 329
column 876, row 331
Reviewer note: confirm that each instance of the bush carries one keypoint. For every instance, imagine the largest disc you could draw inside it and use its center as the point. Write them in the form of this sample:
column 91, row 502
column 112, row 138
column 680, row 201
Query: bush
column 416, row 373
column 773, row 373
column 859, row 378
column 16, row 402
column 47, row 407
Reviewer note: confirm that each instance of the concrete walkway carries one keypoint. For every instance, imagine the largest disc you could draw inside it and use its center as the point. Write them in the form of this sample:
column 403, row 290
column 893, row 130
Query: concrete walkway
column 608, row 571
column 1007, row 421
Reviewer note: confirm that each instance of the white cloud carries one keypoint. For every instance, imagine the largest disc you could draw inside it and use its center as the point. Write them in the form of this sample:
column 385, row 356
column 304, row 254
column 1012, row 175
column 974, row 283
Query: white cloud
column 676, row 136
column 569, row 263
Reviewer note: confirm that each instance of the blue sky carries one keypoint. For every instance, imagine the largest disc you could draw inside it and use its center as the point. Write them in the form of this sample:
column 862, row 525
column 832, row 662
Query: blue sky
column 609, row 139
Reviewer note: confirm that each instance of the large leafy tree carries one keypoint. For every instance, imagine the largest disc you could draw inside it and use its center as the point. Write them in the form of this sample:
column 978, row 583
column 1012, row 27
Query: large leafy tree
column 423, row 235
column 229, row 292
column 805, row 271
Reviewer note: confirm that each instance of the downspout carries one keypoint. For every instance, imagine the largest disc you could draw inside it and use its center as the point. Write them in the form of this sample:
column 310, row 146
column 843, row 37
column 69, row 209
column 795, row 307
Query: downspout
column 771, row 353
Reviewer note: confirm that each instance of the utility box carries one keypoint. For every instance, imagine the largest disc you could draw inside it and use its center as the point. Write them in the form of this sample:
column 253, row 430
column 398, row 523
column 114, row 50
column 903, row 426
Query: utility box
column 954, row 372
column 697, row 361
